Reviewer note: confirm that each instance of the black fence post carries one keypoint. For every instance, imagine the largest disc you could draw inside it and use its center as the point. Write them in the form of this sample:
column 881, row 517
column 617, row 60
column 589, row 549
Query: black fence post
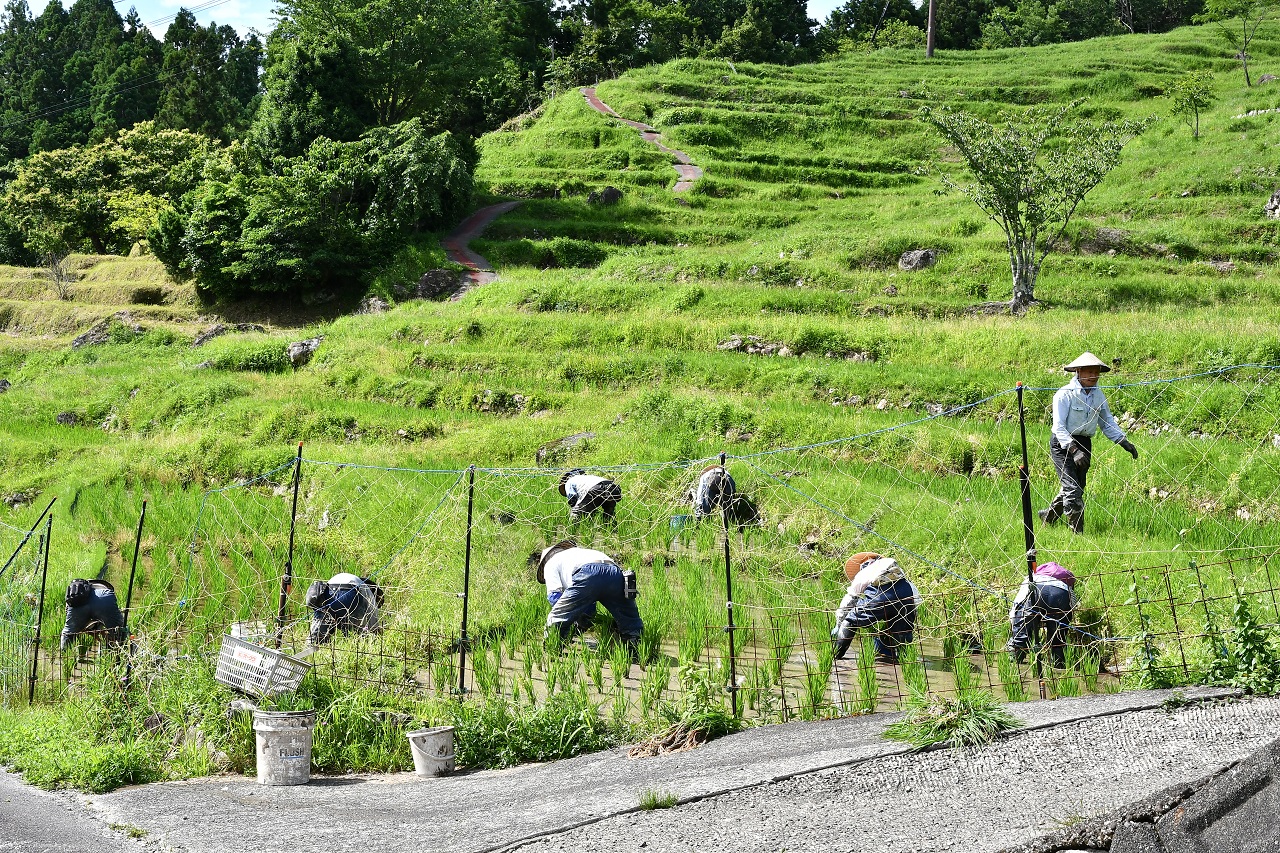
column 728, row 595
column 133, row 568
column 466, row 583
column 35, row 642
column 286, row 581
column 30, row 533
column 128, row 598
column 1028, row 532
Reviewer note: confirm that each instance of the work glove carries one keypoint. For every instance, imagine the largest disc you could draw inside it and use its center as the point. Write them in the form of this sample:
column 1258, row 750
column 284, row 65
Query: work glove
column 1079, row 455
column 1126, row 444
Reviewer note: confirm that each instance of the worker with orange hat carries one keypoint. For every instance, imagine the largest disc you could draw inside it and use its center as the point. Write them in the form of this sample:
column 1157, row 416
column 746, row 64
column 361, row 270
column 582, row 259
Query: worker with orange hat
column 878, row 593
column 1079, row 410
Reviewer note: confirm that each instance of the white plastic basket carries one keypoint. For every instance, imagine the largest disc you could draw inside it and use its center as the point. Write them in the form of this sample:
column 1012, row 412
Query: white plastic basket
column 256, row 670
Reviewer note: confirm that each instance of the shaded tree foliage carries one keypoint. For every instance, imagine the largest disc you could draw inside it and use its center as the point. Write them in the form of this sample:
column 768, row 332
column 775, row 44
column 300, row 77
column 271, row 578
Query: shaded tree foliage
column 210, row 78
column 323, row 220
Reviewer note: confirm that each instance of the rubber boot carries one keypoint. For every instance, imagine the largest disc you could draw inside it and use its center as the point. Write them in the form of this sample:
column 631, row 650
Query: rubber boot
column 1048, row 517
column 1075, row 520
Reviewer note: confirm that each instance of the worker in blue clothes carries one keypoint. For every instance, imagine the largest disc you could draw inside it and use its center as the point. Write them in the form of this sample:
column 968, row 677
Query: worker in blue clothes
column 878, row 594
column 1079, row 410
column 588, row 493
column 92, row 609
column 577, row 579
column 345, row 603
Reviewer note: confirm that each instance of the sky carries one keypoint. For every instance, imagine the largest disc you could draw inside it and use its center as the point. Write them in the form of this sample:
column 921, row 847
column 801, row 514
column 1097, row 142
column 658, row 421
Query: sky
column 243, row 14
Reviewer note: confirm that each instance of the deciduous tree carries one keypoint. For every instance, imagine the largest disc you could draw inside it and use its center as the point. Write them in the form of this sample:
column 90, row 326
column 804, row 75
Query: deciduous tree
column 1191, row 93
column 1030, row 174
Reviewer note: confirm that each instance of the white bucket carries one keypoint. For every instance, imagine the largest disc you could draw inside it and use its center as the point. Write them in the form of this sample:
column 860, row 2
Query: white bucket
column 432, row 751
column 284, row 746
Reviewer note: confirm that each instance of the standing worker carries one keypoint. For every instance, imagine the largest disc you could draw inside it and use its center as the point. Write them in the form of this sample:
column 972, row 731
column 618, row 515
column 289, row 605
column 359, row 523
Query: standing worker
column 579, row 578
column 1079, row 410
column 878, row 592
column 588, row 493
column 1047, row 599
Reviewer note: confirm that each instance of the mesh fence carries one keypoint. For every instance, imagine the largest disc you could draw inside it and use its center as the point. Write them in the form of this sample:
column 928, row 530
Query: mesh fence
column 1172, row 541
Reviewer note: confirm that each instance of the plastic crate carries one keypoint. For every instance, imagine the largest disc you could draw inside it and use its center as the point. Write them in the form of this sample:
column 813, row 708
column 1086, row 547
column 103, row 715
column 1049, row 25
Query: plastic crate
column 256, row 670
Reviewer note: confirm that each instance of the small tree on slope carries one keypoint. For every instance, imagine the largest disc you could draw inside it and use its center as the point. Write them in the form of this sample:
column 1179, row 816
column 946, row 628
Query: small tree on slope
column 1031, row 174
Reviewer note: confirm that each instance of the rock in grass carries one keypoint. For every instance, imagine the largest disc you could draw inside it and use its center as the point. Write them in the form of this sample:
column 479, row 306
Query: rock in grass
column 917, row 259
column 218, row 329
column 606, row 197
column 438, row 283
column 555, row 451
column 300, row 352
column 100, row 332
column 1273, row 206
column 68, row 418
column 5, row 385
column 372, row 305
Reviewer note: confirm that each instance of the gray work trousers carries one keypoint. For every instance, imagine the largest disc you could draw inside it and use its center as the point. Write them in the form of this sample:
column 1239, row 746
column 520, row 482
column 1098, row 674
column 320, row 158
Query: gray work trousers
column 1071, row 477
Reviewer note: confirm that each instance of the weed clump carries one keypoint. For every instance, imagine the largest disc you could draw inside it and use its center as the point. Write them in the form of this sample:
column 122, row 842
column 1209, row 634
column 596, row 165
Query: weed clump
column 969, row 720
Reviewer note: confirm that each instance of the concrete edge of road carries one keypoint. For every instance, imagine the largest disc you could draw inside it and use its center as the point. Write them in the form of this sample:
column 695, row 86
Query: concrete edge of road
column 1056, row 713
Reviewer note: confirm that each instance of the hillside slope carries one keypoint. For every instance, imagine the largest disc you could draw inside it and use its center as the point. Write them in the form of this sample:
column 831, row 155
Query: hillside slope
column 614, row 319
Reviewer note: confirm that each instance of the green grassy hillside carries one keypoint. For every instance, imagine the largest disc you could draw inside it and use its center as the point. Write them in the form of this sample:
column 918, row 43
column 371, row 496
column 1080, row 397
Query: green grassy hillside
column 610, row 320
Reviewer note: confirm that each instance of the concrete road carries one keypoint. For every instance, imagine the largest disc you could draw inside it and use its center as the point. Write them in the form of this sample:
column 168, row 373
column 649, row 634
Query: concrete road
column 797, row 786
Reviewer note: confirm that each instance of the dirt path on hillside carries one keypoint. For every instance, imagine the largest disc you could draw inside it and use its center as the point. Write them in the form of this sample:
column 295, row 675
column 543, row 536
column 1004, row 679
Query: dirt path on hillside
column 456, row 244
column 684, row 166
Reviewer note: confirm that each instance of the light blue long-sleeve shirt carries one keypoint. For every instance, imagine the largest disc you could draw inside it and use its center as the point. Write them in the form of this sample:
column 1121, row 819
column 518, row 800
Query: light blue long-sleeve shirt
column 1081, row 411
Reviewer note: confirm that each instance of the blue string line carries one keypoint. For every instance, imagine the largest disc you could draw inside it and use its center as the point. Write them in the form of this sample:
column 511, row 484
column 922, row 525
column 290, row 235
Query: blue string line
column 427, row 518
column 1004, row 597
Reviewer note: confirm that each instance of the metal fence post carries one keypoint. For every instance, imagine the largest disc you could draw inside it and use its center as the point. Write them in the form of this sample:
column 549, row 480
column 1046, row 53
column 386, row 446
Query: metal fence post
column 286, row 581
column 1028, row 532
column 466, row 582
column 728, row 594
column 35, row 642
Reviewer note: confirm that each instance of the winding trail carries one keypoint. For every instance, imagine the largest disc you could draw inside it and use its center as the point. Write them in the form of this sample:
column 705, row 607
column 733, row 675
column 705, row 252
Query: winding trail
column 455, row 244
column 684, row 166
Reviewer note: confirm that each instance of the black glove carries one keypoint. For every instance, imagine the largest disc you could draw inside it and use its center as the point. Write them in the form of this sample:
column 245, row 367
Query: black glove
column 1079, row 455
column 1126, row 444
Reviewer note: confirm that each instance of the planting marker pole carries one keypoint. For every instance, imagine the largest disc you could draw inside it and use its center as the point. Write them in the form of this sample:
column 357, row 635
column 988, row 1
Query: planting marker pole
column 728, row 595
column 35, row 643
column 466, row 583
column 30, row 533
column 133, row 568
column 286, row 582
column 137, row 546
column 1028, row 532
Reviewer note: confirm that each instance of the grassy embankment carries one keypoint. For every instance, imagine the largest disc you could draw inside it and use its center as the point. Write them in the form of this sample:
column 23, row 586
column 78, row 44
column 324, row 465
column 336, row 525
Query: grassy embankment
column 609, row 320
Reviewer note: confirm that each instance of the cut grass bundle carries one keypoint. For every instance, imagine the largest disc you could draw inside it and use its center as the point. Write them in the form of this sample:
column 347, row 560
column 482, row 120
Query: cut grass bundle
column 968, row 720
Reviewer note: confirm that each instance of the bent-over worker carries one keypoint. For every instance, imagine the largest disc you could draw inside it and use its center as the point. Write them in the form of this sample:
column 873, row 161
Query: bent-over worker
column 579, row 578
column 588, row 493
column 1047, row 600
column 345, row 603
column 878, row 592
column 92, row 609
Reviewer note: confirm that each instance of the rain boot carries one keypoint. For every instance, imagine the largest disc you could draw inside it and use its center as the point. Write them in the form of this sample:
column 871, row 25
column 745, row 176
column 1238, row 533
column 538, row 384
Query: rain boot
column 1075, row 520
